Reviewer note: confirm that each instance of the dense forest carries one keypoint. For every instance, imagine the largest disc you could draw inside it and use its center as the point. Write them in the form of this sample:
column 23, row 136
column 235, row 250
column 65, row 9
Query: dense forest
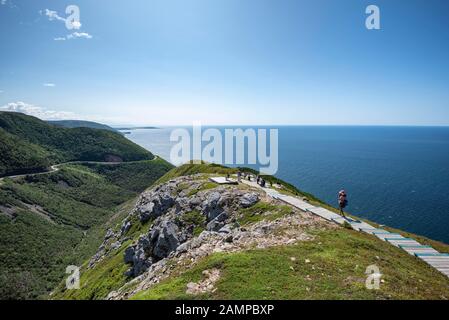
column 28, row 144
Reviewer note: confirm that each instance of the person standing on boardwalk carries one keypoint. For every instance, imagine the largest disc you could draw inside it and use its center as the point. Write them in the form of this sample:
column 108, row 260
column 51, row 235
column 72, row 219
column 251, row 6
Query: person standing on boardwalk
column 342, row 201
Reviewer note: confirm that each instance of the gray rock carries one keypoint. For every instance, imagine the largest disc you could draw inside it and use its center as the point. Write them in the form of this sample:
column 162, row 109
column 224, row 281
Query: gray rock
column 167, row 241
column 249, row 199
column 146, row 211
column 211, row 207
column 155, row 203
column 116, row 245
column 194, row 202
column 109, row 234
column 221, row 217
column 140, row 263
column 129, row 254
column 125, row 227
column 183, row 247
column 225, row 229
column 214, row 225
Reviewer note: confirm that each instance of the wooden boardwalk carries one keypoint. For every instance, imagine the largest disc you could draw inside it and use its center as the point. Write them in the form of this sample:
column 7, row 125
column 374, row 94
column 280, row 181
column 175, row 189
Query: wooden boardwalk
column 439, row 261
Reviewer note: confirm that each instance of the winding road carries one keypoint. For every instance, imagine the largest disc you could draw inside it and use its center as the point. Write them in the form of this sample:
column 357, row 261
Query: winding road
column 55, row 167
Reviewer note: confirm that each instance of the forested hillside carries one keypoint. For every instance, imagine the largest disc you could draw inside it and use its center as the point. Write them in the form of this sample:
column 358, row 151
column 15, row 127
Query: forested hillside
column 28, row 144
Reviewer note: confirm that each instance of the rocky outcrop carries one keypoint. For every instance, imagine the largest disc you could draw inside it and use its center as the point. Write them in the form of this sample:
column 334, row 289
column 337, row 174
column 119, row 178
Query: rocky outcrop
column 286, row 230
column 167, row 206
column 155, row 203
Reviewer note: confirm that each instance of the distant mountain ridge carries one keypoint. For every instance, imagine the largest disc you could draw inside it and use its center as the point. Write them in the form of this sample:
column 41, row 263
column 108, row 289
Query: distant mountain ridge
column 81, row 124
column 28, row 144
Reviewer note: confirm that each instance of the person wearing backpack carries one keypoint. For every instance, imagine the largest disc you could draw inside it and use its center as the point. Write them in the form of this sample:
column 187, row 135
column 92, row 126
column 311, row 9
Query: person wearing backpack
column 342, row 201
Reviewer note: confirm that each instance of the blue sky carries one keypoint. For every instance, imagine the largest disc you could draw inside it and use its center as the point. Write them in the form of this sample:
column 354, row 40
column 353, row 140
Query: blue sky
column 277, row 62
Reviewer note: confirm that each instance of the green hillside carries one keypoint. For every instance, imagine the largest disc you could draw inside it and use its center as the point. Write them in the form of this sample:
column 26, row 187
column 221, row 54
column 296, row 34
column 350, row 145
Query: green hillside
column 50, row 221
column 329, row 266
column 29, row 144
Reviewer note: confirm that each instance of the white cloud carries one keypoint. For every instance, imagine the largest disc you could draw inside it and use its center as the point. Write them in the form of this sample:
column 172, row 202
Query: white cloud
column 53, row 15
column 75, row 35
column 49, row 85
column 38, row 112
column 3, row 2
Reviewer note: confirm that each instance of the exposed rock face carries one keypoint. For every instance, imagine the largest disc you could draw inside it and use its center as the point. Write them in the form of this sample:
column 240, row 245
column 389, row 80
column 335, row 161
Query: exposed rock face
column 286, row 230
column 156, row 203
column 249, row 199
column 166, row 205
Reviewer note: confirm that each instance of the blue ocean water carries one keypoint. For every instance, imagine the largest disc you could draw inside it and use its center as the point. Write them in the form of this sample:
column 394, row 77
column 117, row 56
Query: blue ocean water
column 397, row 176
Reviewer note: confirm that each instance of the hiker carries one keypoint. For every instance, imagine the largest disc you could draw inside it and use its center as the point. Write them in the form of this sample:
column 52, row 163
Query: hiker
column 239, row 176
column 342, row 201
column 262, row 183
column 227, row 177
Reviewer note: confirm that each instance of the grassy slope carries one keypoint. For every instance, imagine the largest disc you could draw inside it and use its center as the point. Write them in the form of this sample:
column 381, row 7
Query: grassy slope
column 81, row 200
column 339, row 260
column 40, row 144
column 336, row 270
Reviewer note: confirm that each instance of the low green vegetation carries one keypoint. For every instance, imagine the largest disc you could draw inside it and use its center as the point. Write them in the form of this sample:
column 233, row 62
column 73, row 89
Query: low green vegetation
column 262, row 211
column 194, row 219
column 97, row 282
column 332, row 266
column 28, row 144
column 50, row 221
column 191, row 169
column 142, row 173
column 205, row 186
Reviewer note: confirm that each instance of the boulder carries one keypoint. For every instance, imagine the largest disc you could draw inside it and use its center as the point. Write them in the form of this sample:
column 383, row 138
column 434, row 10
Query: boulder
column 109, row 234
column 167, row 240
column 249, row 199
column 129, row 254
column 159, row 203
column 211, row 208
column 214, row 225
column 125, row 227
column 225, row 229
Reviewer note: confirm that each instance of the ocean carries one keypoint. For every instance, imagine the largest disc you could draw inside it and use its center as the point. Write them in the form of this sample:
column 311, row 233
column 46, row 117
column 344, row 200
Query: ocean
column 397, row 176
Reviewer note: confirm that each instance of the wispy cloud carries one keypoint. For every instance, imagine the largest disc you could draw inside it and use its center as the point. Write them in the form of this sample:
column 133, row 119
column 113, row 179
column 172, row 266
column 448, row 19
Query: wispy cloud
column 3, row 2
column 53, row 15
column 38, row 112
column 49, row 85
column 75, row 35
